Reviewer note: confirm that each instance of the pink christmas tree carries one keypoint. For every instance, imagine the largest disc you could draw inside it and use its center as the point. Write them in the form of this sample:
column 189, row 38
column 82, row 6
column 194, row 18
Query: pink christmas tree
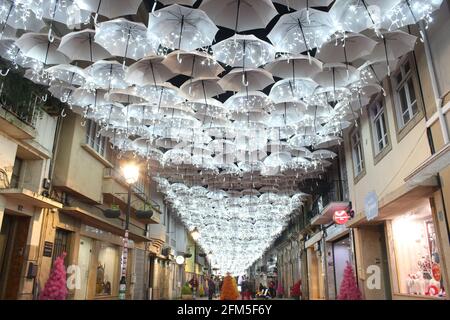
column 349, row 289
column 55, row 287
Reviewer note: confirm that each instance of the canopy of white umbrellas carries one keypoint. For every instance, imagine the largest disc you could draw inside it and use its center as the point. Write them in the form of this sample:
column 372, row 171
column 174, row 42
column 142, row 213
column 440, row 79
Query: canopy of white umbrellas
column 230, row 166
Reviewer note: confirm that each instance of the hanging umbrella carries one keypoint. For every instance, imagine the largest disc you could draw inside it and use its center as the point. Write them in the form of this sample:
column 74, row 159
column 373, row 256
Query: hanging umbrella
column 206, row 87
column 376, row 69
column 37, row 46
column 147, row 71
column 67, row 73
column 124, row 38
column 62, row 92
column 193, row 64
column 294, row 67
column 110, row 8
column 176, row 157
column 346, row 48
column 239, row 79
column 288, row 90
column 410, row 12
column 302, row 4
column 248, row 101
column 62, row 11
column 126, row 96
column 393, row 45
column 10, row 51
column 301, row 31
column 358, row 15
column 107, row 74
column 335, row 75
column 164, row 94
column 183, row 28
column 80, row 45
column 328, row 142
column 18, row 16
column 222, row 146
column 323, row 154
column 240, row 15
column 243, row 51
column 83, row 97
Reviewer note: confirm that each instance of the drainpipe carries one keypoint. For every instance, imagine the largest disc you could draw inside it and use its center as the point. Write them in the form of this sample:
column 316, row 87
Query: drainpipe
column 434, row 84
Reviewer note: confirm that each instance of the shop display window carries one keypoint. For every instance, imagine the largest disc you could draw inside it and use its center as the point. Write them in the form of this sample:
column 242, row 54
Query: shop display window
column 417, row 255
column 107, row 270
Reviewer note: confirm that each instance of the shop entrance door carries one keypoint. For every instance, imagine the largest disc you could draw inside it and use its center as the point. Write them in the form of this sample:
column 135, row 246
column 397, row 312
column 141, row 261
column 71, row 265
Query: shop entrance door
column 13, row 240
column 313, row 274
column 375, row 254
column 84, row 259
column 341, row 255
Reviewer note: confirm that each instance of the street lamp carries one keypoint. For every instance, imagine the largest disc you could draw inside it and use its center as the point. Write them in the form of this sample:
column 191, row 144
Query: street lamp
column 131, row 174
column 195, row 234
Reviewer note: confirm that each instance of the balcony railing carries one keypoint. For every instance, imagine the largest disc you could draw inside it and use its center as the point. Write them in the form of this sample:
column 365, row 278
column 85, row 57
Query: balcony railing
column 334, row 192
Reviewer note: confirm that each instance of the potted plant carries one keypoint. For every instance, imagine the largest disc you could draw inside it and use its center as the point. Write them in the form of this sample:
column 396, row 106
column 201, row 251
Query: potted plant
column 296, row 291
column 186, row 292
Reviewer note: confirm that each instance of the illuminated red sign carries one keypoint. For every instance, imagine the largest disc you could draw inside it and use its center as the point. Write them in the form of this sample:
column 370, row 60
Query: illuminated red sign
column 341, row 217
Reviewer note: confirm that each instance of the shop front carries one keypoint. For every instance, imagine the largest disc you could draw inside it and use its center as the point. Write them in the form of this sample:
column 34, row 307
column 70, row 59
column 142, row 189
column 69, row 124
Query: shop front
column 316, row 268
column 399, row 253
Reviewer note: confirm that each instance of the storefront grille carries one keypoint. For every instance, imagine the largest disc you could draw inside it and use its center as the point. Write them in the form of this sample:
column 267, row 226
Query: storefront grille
column 62, row 244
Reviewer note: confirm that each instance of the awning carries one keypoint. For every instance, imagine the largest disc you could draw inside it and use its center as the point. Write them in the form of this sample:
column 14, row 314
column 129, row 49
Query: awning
column 26, row 196
column 326, row 216
column 430, row 167
column 101, row 223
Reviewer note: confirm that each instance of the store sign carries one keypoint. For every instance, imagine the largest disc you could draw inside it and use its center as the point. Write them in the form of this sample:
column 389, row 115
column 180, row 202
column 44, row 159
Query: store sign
column 341, row 217
column 371, row 205
column 48, row 249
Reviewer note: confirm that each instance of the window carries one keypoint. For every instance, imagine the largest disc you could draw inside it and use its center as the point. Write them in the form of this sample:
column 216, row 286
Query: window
column 62, row 244
column 94, row 139
column 357, row 152
column 379, row 127
column 416, row 253
column 107, row 270
column 15, row 177
column 407, row 104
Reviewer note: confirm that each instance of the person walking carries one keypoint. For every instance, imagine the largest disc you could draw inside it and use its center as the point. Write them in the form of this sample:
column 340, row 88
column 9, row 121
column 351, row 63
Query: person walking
column 194, row 286
column 211, row 288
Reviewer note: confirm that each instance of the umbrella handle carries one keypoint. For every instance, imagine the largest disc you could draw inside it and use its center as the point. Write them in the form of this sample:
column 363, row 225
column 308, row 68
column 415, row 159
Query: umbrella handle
column 44, row 98
column 51, row 37
column 244, row 81
column 4, row 73
column 63, row 113
column 156, row 15
column 96, row 19
column 124, row 66
column 179, row 59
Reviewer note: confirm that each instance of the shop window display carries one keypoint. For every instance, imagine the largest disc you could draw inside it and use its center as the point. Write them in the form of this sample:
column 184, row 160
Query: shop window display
column 417, row 255
column 107, row 269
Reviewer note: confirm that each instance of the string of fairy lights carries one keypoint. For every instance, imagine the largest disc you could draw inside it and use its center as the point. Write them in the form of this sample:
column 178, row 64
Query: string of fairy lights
column 231, row 169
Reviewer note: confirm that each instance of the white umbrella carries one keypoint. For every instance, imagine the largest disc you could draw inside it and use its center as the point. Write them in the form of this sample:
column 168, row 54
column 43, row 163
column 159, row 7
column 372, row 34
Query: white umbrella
column 408, row 12
column 183, row 28
column 164, row 94
column 358, row 15
column 323, row 154
column 199, row 88
column 249, row 79
column 10, row 51
column 193, row 64
column 149, row 70
column 346, row 48
column 240, row 15
column 289, row 90
column 110, row 8
column 293, row 67
column 126, row 96
column 83, row 97
column 18, row 16
column 248, row 101
column 243, row 51
column 302, row 4
column 62, row 11
column 277, row 159
column 72, row 75
column 107, row 74
column 80, row 45
column 38, row 46
column 375, row 70
column 335, row 75
column 63, row 93
column 392, row 46
column 301, row 31
column 124, row 38
column 222, row 146
column 208, row 109
column 328, row 142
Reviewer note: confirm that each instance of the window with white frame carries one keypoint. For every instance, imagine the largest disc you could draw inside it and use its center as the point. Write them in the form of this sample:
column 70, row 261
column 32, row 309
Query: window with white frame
column 94, row 139
column 405, row 92
column 379, row 126
column 357, row 152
